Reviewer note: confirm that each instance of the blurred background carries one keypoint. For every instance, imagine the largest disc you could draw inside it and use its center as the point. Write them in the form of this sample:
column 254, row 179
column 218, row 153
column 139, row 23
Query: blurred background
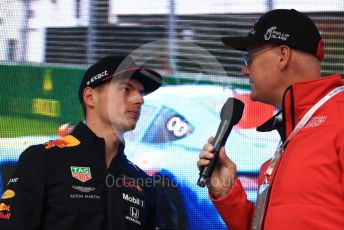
column 46, row 45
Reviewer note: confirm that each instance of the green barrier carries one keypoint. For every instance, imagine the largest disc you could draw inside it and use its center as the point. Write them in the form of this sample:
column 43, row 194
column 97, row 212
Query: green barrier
column 50, row 92
column 41, row 92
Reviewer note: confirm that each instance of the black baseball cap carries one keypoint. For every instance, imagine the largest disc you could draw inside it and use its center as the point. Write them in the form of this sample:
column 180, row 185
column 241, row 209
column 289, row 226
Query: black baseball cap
column 110, row 67
column 282, row 27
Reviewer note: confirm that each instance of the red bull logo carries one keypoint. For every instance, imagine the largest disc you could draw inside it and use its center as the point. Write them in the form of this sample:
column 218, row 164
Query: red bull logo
column 4, row 216
column 5, row 207
column 130, row 184
column 58, row 143
column 67, row 141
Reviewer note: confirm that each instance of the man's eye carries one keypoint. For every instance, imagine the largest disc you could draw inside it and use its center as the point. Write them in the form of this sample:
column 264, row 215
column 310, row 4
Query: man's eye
column 124, row 89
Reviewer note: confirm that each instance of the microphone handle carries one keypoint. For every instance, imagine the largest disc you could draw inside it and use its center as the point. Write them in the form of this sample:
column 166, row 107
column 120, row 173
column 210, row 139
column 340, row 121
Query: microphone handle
column 208, row 170
column 220, row 139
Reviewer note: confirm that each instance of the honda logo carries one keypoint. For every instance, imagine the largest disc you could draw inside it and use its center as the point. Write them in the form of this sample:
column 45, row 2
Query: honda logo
column 134, row 212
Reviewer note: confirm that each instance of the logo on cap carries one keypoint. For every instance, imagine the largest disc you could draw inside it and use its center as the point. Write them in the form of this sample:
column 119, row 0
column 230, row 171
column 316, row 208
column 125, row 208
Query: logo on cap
column 252, row 31
column 96, row 77
column 267, row 36
column 273, row 33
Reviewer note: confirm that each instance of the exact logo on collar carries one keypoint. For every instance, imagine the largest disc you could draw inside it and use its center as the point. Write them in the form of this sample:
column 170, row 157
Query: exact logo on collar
column 82, row 174
column 67, row 141
column 8, row 194
column 96, row 77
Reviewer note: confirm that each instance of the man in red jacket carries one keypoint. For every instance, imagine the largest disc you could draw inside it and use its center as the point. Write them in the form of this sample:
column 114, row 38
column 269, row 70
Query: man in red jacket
column 302, row 186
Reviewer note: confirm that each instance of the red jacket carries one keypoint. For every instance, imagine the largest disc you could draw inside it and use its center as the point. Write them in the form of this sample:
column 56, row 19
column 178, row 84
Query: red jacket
column 307, row 186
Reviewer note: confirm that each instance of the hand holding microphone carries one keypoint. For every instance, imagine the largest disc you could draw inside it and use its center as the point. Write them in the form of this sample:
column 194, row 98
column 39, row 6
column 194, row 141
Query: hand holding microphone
column 224, row 174
column 213, row 159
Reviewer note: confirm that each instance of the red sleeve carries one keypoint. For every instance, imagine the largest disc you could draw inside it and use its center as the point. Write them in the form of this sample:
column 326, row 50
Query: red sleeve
column 234, row 208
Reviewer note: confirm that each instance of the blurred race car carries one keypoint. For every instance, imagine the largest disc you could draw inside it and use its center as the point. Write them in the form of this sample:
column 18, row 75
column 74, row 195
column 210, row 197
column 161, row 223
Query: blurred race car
column 175, row 123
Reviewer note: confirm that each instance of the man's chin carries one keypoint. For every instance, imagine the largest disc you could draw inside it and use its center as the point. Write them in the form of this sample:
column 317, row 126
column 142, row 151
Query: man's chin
column 256, row 98
column 125, row 128
column 253, row 97
column 132, row 127
column 129, row 127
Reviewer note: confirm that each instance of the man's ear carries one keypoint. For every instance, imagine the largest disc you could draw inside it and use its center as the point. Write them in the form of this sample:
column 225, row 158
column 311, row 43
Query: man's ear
column 89, row 97
column 284, row 56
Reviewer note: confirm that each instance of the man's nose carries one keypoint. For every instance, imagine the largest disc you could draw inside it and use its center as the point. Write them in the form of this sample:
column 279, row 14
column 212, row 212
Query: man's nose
column 245, row 71
column 137, row 98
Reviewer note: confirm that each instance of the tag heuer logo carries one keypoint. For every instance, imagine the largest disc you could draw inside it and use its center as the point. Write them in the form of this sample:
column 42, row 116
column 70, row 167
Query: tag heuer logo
column 82, row 174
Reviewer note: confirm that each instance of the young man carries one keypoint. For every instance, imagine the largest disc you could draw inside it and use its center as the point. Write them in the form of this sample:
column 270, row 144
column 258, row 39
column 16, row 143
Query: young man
column 303, row 184
column 84, row 180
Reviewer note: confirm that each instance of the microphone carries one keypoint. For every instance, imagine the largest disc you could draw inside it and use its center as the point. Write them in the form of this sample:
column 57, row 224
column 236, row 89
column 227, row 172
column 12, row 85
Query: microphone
column 231, row 113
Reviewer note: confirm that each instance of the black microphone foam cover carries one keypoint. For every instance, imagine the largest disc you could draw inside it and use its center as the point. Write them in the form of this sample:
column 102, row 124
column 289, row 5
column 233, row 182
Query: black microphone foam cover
column 232, row 110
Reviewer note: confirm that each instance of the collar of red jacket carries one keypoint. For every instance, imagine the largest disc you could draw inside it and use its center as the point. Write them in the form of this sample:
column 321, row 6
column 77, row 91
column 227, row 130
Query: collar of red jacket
column 297, row 100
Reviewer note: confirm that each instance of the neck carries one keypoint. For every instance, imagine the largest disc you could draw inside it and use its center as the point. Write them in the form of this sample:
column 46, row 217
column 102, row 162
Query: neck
column 112, row 138
column 303, row 68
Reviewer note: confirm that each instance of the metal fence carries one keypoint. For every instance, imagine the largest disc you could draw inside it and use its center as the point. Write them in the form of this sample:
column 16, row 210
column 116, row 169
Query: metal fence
column 92, row 30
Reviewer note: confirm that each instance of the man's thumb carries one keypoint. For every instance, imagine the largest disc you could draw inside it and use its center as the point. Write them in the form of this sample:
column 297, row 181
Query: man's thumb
column 224, row 158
